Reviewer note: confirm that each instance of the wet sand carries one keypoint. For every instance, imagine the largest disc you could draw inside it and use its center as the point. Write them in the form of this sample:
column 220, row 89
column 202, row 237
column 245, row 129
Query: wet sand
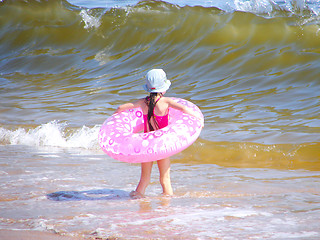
column 31, row 235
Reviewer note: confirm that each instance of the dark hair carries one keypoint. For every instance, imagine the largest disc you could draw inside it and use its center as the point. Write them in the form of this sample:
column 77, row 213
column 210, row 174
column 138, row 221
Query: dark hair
column 151, row 103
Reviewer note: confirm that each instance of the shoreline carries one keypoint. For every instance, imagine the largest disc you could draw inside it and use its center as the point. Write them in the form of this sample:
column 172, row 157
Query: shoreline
column 17, row 234
column 6, row 234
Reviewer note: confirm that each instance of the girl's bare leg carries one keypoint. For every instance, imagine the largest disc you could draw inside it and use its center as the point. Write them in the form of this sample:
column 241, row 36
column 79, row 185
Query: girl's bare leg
column 165, row 181
column 144, row 179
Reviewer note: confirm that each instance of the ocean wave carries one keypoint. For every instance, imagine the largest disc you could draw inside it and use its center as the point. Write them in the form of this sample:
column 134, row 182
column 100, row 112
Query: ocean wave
column 44, row 34
column 255, row 78
column 298, row 7
column 51, row 134
column 37, row 23
column 229, row 154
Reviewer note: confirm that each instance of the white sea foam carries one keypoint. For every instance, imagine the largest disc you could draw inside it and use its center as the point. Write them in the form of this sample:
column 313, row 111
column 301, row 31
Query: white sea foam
column 89, row 20
column 53, row 134
column 255, row 6
column 261, row 6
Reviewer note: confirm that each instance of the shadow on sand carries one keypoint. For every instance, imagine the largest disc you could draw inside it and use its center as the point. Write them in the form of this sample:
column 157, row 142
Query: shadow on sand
column 91, row 195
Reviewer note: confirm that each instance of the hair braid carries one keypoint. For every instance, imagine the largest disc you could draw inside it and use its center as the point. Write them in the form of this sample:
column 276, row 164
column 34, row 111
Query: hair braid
column 151, row 103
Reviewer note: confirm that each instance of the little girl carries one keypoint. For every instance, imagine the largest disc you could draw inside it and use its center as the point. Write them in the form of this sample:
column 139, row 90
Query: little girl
column 155, row 108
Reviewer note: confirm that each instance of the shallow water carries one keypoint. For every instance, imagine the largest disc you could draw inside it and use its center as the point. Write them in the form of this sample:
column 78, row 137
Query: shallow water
column 250, row 66
column 87, row 194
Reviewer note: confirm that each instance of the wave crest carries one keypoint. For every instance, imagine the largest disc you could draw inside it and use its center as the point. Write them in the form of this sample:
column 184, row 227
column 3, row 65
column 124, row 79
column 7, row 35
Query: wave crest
column 52, row 134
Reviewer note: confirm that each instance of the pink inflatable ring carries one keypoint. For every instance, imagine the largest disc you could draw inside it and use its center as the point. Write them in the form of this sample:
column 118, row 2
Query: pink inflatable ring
column 119, row 135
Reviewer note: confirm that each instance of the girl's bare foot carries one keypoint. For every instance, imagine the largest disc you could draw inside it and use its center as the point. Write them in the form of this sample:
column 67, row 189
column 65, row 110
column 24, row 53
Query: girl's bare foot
column 136, row 195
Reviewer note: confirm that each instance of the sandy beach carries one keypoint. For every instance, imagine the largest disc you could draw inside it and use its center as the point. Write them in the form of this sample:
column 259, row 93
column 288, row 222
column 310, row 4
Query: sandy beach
column 31, row 235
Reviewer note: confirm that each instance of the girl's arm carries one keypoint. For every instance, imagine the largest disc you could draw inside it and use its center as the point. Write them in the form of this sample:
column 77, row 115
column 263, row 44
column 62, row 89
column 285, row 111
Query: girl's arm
column 127, row 106
column 182, row 108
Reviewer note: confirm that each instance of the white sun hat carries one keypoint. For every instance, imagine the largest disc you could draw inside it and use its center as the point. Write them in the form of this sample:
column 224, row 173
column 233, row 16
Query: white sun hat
column 156, row 81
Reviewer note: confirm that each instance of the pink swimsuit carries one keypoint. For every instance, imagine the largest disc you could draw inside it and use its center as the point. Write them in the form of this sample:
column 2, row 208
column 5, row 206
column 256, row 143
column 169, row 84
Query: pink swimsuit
column 162, row 121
